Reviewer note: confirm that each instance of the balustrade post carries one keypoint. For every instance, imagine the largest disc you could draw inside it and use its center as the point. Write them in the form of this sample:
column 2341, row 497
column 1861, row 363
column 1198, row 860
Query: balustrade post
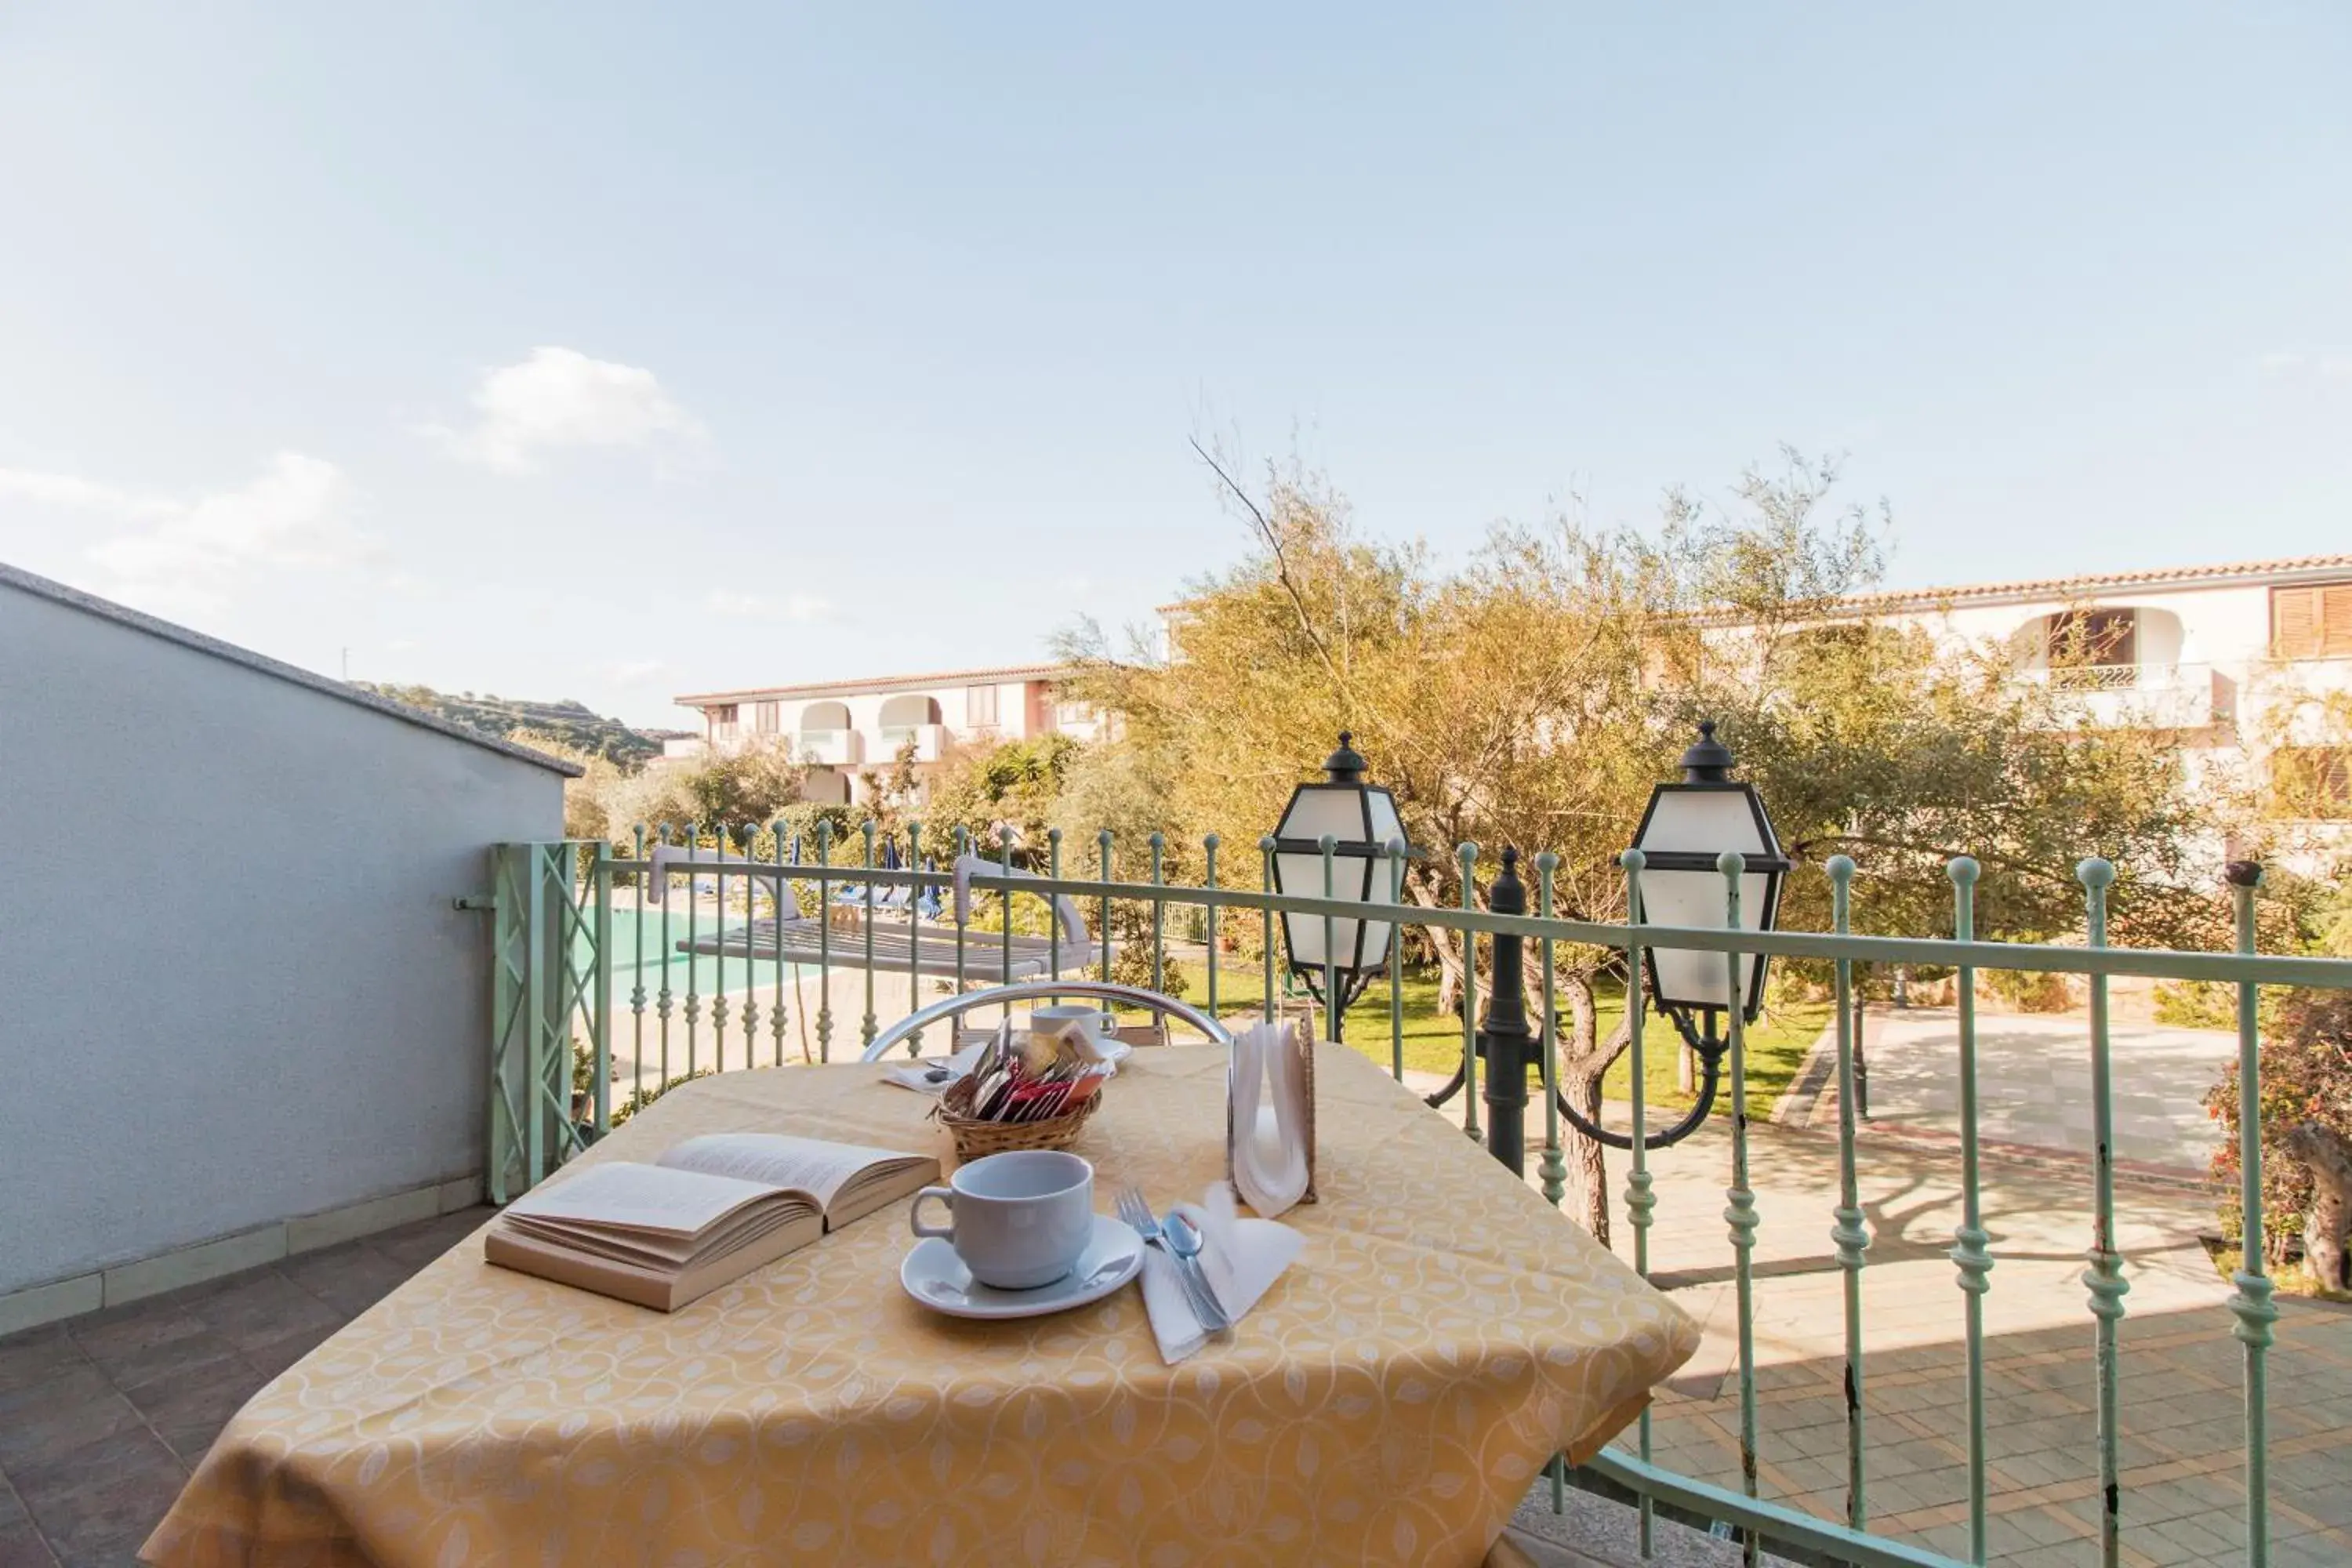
column 2251, row 1302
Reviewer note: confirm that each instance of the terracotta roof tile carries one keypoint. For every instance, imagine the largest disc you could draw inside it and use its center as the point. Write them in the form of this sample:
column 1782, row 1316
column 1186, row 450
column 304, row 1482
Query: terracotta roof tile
column 2074, row 587
column 1008, row 672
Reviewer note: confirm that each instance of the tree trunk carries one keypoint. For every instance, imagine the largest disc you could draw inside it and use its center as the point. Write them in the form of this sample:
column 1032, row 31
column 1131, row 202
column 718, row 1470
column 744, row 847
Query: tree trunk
column 1592, row 1161
column 2327, row 1156
column 1583, row 1059
column 1446, row 943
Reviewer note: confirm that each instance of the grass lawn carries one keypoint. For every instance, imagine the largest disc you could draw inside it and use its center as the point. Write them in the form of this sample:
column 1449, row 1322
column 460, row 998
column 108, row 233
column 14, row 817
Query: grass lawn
column 1777, row 1044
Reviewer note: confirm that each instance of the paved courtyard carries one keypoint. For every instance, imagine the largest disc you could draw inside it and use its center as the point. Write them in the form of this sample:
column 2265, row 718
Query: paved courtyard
column 2033, row 1082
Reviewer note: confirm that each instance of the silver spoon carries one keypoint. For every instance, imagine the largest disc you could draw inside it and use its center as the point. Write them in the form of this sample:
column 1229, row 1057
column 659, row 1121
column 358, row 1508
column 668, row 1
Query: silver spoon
column 1184, row 1241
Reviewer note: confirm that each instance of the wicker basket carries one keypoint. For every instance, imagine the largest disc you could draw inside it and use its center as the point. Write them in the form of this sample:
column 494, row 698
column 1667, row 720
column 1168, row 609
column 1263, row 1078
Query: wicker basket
column 975, row 1139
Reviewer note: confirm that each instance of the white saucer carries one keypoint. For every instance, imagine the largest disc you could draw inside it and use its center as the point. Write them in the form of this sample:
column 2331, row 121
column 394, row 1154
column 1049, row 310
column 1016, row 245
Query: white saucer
column 937, row 1277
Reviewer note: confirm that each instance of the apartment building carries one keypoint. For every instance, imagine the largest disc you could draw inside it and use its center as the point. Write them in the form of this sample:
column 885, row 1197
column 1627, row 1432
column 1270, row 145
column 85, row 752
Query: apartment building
column 2241, row 660
column 843, row 728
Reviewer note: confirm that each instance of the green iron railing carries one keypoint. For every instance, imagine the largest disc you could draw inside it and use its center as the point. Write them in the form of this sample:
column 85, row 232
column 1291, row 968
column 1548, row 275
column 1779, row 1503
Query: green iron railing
column 551, row 996
column 555, row 982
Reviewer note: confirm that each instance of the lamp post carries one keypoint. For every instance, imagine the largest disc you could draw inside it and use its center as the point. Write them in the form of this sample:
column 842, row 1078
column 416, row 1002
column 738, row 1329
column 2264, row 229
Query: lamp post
column 1505, row 1043
column 1333, row 842
column 1688, row 828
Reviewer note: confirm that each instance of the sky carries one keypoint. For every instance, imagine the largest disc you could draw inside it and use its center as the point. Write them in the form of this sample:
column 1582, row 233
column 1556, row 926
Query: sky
column 614, row 352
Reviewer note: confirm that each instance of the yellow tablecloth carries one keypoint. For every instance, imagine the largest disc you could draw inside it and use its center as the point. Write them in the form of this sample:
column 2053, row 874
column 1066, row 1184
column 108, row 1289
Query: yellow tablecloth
column 1390, row 1401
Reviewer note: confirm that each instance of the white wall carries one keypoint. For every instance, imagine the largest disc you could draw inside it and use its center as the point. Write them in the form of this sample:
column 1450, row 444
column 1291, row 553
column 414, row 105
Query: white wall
column 233, row 989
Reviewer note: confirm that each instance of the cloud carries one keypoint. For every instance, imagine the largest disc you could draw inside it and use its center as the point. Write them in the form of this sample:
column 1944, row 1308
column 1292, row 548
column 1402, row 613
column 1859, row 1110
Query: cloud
column 558, row 398
column 2300, row 365
column 72, row 490
column 191, row 555
column 765, row 607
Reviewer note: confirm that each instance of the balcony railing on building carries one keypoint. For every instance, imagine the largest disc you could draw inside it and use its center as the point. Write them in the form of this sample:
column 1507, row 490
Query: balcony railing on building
column 832, row 748
column 924, row 737
column 2152, row 696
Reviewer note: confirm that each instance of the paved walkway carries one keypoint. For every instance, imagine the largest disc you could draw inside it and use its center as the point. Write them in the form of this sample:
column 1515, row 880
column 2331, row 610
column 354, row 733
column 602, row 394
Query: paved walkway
column 2033, row 1082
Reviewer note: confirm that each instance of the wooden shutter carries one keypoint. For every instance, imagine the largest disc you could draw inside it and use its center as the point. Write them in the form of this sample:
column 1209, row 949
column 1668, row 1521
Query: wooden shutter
column 2334, row 620
column 2334, row 780
column 2312, row 623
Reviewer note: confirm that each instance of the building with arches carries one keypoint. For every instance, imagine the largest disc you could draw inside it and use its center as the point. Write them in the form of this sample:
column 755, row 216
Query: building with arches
column 840, row 729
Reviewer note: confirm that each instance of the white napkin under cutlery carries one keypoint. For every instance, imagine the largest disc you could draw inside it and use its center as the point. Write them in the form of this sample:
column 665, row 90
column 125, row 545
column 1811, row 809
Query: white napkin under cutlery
column 1242, row 1258
column 917, row 1075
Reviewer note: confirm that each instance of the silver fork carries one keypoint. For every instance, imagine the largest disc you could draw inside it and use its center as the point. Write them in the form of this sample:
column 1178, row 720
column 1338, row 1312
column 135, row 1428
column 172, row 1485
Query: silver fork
column 1137, row 1213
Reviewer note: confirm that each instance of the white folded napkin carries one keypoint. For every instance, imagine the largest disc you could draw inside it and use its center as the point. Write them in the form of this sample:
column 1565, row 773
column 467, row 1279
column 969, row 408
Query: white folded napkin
column 915, row 1075
column 1243, row 1257
column 1271, row 1119
column 1073, row 924
column 1104, row 1050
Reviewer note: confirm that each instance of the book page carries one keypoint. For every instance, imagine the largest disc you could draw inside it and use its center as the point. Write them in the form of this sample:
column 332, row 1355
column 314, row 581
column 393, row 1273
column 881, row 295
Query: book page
column 649, row 1197
column 811, row 1165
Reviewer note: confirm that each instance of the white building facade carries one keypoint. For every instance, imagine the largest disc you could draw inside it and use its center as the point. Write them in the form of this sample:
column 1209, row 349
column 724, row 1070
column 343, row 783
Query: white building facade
column 2251, row 664
column 841, row 728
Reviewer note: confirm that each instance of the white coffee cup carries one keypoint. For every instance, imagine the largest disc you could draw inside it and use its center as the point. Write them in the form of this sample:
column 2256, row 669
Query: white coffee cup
column 1020, row 1218
column 1048, row 1023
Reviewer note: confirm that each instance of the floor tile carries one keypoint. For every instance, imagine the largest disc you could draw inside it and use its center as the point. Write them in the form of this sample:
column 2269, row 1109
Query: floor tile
column 21, row 1546
column 136, row 1365
column 266, row 1306
column 188, row 1413
column 103, row 1497
column 349, row 1283
column 36, row 1356
column 63, row 1413
column 271, row 1357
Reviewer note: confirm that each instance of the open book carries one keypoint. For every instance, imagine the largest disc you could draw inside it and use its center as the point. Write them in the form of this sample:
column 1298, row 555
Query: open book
column 709, row 1211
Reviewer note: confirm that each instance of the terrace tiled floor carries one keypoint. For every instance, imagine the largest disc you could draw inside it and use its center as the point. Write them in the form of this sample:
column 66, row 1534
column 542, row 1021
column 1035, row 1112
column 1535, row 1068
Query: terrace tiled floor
column 102, row 1417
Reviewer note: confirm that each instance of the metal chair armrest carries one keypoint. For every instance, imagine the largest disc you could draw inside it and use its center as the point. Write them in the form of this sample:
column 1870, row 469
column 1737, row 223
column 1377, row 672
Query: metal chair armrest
column 1038, row 991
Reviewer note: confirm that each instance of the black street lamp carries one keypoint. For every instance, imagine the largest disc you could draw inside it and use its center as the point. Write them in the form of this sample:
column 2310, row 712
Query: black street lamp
column 1687, row 830
column 1334, row 842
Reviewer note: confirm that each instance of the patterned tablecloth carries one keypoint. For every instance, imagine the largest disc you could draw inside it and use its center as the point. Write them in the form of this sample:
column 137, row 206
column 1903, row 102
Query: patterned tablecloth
column 1390, row 1401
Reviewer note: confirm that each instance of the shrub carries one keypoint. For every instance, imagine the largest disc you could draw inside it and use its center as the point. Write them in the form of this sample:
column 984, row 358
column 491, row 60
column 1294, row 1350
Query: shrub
column 1130, row 925
column 2307, row 1063
column 2196, row 1005
column 2030, row 991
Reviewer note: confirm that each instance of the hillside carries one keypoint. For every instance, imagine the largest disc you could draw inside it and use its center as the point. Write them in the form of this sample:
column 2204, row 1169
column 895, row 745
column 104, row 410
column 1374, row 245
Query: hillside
column 497, row 717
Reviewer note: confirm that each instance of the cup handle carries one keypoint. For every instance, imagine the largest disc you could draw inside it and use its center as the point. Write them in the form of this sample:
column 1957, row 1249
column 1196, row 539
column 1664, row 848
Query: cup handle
column 915, row 1213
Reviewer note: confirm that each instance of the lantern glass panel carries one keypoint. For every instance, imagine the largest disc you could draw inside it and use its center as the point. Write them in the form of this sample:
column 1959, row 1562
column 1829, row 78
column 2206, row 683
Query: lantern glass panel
column 1316, row 810
column 1380, row 806
column 1705, row 822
